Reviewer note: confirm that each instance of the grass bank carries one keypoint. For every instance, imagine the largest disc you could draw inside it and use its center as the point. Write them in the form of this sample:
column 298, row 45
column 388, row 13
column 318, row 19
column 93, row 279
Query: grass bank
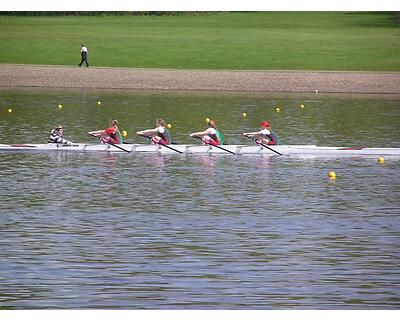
column 259, row 40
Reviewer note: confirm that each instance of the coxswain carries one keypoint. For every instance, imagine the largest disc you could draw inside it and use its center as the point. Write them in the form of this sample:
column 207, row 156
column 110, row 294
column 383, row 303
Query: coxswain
column 211, row 135
column 265, row 135
column 57, row 136
column 158, row 135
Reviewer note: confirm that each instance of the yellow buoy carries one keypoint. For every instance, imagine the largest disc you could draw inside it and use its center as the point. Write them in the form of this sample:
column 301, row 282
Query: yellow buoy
column 277, row 109
column 381, row 160
column 332, row 175
column 98, row 102
column 10, row 110
column 302, row 106
column 244, row 114
column 207, row 120
column 60, row 106
column 169, row 126
column 124, row 133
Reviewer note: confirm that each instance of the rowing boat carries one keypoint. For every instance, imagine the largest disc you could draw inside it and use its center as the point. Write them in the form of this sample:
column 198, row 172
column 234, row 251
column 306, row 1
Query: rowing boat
column 189, row 149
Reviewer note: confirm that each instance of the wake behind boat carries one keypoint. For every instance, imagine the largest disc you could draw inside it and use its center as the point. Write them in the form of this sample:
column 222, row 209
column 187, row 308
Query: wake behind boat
column 204, row 149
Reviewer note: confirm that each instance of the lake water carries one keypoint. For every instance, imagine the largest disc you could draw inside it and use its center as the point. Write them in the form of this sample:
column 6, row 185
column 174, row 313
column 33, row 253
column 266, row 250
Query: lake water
column 150, row 231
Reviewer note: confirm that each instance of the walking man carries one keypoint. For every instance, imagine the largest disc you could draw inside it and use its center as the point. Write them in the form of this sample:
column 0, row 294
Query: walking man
column 84, row 53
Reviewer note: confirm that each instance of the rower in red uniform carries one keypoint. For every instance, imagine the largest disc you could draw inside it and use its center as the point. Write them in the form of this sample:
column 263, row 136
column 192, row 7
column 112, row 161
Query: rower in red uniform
column 158, row 135
column 109, row 135
column 265, row 135
column 211, row 135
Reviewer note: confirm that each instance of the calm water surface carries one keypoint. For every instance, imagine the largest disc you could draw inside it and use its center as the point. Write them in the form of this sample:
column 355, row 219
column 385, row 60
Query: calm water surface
column 126, row 231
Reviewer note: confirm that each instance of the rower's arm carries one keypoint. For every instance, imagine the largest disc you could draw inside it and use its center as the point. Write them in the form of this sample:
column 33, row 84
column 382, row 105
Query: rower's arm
column 200, row 133
column 148, row 132
column 252, row 134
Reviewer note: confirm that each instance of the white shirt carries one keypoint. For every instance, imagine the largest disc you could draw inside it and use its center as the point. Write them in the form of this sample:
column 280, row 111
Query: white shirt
column 265, row 132
column 84, row 49
column 160, row 129
column 211, row 131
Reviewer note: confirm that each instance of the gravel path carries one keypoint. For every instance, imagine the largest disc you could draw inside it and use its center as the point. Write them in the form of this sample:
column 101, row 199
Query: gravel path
column 12, row 75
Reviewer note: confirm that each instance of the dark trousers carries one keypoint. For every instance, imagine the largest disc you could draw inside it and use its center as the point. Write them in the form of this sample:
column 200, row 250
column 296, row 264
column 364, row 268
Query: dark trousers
column 84, row 59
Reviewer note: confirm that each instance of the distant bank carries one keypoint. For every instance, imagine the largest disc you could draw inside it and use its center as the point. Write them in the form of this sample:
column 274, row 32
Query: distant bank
column 12, row 76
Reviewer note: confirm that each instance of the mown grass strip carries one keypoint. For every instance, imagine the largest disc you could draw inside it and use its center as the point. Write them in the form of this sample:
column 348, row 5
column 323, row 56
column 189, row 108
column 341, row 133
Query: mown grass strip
column 248, row 40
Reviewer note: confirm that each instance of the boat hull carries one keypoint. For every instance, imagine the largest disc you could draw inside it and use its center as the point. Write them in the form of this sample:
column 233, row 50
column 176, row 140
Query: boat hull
column 195, row 149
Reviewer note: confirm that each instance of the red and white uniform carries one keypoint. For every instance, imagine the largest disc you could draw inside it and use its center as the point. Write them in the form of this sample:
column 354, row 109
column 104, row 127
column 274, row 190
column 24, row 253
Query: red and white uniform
column 162, row 137
column 268, row 134
column 111, row 136
column 211, row 137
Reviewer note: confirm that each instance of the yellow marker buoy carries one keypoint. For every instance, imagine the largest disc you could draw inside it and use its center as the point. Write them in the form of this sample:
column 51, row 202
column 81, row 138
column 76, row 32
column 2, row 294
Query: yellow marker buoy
column 332, row 174
column 207, row 120
column 169, row 126
column 124, row 133
column 302, row 106
column 381, row 160
column 98, row 102
column 10, row 110
column 277, row 109
column 244, row 114
column 60, row 106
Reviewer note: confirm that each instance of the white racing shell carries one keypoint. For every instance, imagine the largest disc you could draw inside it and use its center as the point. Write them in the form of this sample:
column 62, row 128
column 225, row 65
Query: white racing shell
column 193, row 149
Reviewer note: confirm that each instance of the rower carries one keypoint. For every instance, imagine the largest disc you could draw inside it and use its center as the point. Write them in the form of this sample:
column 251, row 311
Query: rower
column 211, row 135
column 158, row 135
column 265, row 135
column 109, row 135
column 57, row 136
column 114, row 124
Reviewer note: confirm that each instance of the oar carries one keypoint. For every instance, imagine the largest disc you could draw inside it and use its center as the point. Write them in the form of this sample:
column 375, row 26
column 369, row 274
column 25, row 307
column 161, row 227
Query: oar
column 114, row 145
column 196, row 137
column 164, row 145
column 264, row 145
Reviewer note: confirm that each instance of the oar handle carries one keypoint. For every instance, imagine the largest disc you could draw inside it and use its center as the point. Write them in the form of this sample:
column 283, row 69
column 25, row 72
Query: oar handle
column 164, row 145
column 110, row 143
column 264, row 145
column 143, row 136
column 226, row 150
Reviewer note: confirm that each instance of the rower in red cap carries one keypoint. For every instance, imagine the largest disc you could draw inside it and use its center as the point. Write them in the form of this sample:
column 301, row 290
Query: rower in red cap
column 211, row 135
column 266, row 135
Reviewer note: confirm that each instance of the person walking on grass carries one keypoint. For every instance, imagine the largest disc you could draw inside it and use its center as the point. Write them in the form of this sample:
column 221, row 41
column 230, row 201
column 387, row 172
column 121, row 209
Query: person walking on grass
column 84, row 55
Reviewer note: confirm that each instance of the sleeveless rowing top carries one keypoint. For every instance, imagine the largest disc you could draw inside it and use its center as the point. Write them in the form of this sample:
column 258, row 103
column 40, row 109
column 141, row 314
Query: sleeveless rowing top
column 169, row 138
column 119, row 137
column 219, row 136
column 164, row 134
column 274, row 138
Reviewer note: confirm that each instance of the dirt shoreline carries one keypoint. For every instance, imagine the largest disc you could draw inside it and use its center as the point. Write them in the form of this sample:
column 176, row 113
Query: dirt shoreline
column 16, row 76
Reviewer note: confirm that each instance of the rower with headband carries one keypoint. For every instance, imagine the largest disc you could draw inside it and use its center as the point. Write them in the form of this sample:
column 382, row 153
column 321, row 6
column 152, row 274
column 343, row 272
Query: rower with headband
column 158, row 135
column 211, row 135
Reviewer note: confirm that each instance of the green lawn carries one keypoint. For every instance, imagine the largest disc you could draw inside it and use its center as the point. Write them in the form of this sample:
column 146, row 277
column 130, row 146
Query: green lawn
column 247, row 40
